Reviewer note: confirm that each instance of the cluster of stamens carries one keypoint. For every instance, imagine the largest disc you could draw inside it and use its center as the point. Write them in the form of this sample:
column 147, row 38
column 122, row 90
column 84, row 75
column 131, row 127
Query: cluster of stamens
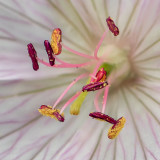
column 97, row 80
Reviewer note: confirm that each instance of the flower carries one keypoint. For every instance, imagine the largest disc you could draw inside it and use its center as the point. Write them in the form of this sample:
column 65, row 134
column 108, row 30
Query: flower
column 133, row 94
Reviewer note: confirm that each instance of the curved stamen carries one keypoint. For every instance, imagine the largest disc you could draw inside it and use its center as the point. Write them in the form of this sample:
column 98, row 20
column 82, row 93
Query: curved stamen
column 64, row 65
column 67, row 89
column 70, row 101
column 99, row 44
column 77, row 53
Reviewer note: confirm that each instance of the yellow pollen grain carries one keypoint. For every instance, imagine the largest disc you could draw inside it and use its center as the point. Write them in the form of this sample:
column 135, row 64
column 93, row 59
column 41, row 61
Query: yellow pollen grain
column 54, row 47
column 49, row 112
column 99, row 119
column 113, row 132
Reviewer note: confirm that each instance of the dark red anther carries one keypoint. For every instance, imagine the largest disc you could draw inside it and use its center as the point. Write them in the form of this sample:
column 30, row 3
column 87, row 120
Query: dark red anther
column 58, row 116
column 33, row 54
column 49, row 52
column 94, row 86
column 102, row 116
column 112, row 27
column 101, row 75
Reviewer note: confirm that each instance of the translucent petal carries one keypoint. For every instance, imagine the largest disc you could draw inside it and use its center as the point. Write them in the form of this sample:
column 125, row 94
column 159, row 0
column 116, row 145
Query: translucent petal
column 27, row 135
column 21, row 25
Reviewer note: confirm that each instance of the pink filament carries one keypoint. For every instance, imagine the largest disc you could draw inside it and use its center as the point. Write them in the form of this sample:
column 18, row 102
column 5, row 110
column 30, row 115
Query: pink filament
column 99, row 44
column 78, row 53
column 67, row 89
column 105, row 98
column 70, row 101
column 96, row 69
column 96, row 100
column 93, row 76
column 66, row 65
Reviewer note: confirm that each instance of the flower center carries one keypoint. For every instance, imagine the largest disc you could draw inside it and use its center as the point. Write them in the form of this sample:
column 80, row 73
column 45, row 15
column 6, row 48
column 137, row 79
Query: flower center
column 119, row 58
column 109, row 65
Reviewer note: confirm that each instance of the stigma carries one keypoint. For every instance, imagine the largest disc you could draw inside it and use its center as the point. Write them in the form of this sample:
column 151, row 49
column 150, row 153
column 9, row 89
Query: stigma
column 117, row 126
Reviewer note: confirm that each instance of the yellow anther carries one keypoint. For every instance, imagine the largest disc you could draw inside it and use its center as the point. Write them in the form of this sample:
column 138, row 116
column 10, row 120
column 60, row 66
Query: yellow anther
column 114, row 131
column 53, row 113
column 55, row 41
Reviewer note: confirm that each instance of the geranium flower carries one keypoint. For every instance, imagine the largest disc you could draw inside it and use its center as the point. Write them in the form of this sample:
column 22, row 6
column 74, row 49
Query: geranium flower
column 134, row 83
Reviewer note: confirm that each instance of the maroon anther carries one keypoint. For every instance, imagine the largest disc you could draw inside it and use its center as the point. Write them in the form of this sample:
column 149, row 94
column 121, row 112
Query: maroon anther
column 49, row 52
column 94, row 86
column 102, row 116
column 101, row 75
column 112, row 27
column 33, row 54
column 58, row 116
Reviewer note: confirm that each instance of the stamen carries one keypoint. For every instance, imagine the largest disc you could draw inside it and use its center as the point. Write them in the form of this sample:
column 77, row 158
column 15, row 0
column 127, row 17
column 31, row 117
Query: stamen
column 67, row 89
column 112, row 27
column 99, row 44
column 64, row 65
column 94, row 86
column 33, row 55
column 55, row 41
column 77, row 53
column 102, row 116
column 105, row 99
column 48, row 111
column 114, row 131
column 70, row 101
column 49, row 52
